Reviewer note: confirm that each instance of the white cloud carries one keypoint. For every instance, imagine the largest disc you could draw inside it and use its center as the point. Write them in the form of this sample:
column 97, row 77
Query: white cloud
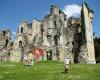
column 72, row 10
column 14, row 33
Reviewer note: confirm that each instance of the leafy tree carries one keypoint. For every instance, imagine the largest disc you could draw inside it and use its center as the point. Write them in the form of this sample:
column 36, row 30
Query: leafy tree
column 97, row 48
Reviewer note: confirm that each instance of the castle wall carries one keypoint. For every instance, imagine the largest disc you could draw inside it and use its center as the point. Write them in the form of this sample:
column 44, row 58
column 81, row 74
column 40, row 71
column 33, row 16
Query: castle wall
column 87, row 17
column 5, row 45
column 57, row 36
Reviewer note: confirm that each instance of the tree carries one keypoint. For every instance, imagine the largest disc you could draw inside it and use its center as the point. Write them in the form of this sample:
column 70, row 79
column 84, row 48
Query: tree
column 97, row 48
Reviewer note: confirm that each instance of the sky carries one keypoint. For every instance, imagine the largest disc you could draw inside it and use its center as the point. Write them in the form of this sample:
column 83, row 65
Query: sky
column 13, row 12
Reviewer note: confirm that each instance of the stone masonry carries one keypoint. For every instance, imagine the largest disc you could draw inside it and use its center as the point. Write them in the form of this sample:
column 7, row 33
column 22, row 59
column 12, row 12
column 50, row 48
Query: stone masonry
column 56, row 35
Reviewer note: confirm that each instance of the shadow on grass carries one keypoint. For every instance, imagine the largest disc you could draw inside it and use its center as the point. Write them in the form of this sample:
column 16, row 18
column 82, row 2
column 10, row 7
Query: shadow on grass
column 64, row 72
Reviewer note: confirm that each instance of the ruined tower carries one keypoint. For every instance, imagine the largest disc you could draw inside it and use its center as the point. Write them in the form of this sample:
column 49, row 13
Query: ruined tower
column 87, row 34
column 28, row 37
column 5, row 45
column 52, row 25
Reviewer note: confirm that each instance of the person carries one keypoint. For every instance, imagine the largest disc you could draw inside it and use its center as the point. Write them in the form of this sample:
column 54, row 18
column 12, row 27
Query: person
column 28, row 59
column 66, row 63
column 25, row 59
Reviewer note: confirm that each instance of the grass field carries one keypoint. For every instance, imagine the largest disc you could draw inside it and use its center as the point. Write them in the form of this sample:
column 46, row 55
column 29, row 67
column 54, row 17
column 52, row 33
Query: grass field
column 48, row 70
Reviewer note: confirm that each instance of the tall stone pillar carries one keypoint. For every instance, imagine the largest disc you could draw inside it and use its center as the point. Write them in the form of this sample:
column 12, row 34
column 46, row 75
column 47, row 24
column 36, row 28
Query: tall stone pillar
column 86, row 19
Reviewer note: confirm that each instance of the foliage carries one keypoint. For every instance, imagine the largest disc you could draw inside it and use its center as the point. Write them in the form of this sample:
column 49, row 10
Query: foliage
column 97, row 48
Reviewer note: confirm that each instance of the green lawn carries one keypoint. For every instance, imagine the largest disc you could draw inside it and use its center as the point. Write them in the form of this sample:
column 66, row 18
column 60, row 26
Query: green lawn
column 48, row 70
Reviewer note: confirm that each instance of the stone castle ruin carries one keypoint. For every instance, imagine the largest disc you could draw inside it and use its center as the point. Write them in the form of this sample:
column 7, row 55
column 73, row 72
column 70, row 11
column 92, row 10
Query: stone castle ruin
column 55, row 34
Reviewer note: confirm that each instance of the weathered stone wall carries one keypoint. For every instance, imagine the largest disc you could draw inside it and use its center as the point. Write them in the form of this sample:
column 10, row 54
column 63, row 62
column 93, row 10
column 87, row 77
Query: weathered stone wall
column 52, row 25
column 28, row 37
column 87, row 16
column 56, row 35
column 5, row 45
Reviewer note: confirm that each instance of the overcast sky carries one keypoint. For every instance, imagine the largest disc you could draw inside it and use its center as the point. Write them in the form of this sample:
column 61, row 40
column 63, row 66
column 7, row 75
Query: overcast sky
column 12, row 12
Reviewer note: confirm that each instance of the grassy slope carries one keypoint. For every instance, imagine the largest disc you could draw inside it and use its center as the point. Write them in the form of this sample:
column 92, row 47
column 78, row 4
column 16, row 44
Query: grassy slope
column 48, row 70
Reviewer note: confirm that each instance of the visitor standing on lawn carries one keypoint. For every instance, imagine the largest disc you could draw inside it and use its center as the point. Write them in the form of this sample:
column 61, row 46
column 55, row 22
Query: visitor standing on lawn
column 66, row 64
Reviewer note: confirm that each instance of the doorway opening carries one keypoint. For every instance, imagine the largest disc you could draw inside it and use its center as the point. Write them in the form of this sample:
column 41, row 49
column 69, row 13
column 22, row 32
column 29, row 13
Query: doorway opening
column 49, row 55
